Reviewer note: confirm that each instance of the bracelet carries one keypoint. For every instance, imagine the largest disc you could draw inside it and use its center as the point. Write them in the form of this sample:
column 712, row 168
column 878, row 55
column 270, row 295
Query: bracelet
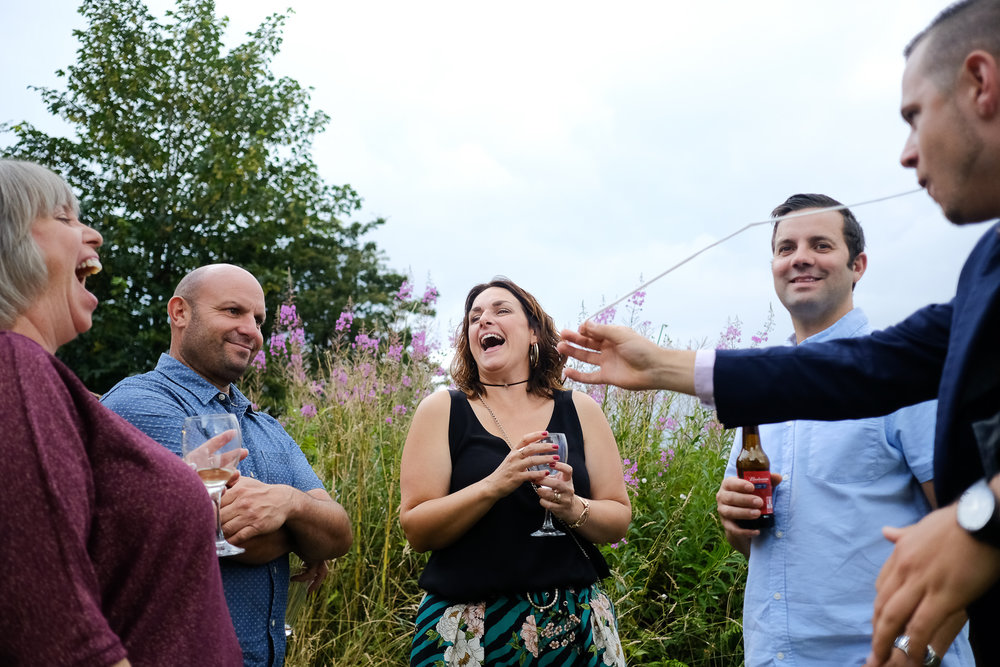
column 584, row 515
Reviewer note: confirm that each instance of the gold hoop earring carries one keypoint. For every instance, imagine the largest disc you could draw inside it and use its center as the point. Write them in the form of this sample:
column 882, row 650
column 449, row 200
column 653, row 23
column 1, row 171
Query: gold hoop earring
column 533, row 355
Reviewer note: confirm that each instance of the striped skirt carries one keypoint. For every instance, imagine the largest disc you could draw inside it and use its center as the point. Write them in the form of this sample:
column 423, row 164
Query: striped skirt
column 564, row 627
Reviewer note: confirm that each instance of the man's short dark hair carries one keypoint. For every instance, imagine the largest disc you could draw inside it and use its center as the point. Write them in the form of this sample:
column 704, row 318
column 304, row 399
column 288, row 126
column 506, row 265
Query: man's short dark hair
column 854, row 236
column 960, row 28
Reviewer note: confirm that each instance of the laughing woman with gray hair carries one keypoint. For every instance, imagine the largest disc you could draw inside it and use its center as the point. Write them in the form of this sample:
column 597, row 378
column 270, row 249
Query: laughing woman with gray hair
column 108, row 552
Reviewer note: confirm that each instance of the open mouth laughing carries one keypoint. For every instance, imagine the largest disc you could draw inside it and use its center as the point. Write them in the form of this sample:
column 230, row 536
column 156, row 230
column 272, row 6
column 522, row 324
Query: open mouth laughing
column 88, row 267
column 488, row 340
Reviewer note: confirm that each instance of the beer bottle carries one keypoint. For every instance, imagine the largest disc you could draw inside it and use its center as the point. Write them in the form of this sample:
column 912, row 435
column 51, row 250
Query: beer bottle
column 754, row 466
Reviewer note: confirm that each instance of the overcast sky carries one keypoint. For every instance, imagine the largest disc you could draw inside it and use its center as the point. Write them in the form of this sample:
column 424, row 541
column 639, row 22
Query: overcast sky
column 581, row 147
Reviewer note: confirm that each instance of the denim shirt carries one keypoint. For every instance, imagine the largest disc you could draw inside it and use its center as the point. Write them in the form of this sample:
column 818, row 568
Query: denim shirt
column 157, row 403
column 811, row 584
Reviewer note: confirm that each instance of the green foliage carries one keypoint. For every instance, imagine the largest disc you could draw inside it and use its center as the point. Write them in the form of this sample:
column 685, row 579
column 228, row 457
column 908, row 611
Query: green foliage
column 676, row 584
column 185, row 153
column 350, row 413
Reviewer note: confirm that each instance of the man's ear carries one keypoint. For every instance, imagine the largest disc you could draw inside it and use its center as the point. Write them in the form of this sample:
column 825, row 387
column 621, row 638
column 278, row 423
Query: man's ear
column 982, row 72
column 179, row 311
column 859, row 265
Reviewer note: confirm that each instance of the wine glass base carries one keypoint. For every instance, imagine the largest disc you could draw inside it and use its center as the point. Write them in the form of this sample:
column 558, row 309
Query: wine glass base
column 552, row 532
column 227, row 549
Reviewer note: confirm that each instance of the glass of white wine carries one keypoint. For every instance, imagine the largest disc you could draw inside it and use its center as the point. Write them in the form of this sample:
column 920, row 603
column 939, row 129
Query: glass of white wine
column 558, row 439
column 214, row 461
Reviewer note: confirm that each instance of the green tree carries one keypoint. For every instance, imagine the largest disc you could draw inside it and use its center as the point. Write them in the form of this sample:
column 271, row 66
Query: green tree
column 186, row 153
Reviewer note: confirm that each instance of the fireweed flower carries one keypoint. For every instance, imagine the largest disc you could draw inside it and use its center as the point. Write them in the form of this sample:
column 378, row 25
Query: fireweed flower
column 666, row 424
column 345, row 321
column 731, row 337
column 430, row 295
column 421, row 350
column 395, row 352
column 637, row 299
column 605, row 316
column 308, row 410
column 277, row 344
column 287, row 317
column 365, row 343
column 259, row 362
column 666, row 456
column 405, row 291
column 630, row 468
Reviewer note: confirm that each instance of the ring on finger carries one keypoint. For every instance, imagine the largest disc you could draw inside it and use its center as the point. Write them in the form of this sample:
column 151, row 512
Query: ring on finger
column 555, row 497
column 931, row 659
column 521, row 452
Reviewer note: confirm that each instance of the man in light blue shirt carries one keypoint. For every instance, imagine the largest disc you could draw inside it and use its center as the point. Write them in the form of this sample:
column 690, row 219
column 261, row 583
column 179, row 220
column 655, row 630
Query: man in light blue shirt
column 811, row 582
column 278, row 505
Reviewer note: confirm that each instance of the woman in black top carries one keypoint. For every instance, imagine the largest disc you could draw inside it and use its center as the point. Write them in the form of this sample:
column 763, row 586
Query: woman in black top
column 495, row 594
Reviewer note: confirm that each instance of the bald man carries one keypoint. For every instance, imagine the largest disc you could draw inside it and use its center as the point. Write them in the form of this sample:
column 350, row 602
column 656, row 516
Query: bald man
column 277, row 505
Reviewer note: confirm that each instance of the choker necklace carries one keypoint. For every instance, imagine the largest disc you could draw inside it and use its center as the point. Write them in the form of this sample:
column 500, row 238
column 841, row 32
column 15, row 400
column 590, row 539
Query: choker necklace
column 505, row 384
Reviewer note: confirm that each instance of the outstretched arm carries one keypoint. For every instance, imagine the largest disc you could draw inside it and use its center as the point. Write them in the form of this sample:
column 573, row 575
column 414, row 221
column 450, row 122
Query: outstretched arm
column 627, row 359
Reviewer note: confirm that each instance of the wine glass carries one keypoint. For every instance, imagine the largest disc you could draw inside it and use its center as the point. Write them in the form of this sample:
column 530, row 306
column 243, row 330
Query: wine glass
column 215, row 463
column 558, row 439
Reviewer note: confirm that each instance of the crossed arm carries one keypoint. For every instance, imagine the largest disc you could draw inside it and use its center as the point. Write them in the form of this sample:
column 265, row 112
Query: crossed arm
column 270, row 520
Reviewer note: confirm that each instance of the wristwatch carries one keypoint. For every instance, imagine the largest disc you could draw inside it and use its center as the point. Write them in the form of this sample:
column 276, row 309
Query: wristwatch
column 979, row 513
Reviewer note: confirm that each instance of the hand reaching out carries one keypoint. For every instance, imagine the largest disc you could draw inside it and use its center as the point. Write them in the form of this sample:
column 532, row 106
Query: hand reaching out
column 626, row 359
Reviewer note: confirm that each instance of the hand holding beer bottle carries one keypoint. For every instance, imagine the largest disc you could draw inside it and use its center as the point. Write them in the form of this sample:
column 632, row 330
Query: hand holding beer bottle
column 739, row 504
column 753, row 466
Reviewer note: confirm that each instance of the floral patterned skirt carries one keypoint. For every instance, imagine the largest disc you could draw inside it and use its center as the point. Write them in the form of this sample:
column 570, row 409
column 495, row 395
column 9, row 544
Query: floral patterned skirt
column 559, row 628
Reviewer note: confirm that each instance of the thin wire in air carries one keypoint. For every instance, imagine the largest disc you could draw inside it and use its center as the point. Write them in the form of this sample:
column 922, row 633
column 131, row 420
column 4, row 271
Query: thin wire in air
column 769, row 221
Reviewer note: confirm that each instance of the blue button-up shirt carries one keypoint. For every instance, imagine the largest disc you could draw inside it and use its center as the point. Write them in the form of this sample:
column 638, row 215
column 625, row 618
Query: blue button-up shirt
column 810, row 590
column 157, row 403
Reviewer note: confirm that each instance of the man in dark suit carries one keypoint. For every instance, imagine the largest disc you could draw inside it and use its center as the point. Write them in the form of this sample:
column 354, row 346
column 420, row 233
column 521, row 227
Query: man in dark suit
column 949, row 562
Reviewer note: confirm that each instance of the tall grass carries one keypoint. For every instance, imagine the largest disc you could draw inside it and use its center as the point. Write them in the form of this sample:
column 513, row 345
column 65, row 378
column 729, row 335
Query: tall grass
column 676, row 583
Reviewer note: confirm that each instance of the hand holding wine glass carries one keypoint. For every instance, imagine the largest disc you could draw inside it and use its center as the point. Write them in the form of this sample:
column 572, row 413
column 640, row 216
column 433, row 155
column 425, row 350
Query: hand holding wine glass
column 558, row 439
column 213, row 446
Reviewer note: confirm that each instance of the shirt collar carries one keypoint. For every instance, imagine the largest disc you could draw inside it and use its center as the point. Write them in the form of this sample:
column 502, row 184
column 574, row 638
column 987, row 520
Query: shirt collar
column 195, row 384
column 851, row 324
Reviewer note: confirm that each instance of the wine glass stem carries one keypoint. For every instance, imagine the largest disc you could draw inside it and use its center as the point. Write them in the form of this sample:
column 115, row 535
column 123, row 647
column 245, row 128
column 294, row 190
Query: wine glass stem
column 547, row 524
column 217, row 501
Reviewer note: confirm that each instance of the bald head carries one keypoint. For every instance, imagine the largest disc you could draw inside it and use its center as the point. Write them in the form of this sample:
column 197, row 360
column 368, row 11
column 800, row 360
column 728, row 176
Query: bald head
column 191, row 284
column 215, row 318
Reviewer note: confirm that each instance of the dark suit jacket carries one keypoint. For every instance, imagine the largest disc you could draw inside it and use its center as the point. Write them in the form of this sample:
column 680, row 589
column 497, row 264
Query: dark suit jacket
column 949, row 351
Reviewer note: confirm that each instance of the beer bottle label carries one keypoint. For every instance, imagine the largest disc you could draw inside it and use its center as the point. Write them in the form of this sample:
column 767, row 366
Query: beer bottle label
column 761, row 480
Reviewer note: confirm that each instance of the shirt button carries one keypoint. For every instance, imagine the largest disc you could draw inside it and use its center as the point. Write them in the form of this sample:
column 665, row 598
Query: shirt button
column 272, row 622
column 781, row 656
column 222, row 397
column 779, row 534
column 777, row 596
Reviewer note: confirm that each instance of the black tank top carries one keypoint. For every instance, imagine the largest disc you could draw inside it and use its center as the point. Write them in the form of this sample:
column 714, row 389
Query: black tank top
column 498, row 556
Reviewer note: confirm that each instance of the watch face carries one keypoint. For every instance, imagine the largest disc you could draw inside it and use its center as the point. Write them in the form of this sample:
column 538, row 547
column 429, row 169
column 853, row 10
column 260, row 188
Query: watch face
column 976, row 507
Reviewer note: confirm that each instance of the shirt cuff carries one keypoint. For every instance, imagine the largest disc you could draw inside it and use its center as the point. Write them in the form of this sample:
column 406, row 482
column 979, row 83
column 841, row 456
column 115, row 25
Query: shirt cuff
column 704, row 382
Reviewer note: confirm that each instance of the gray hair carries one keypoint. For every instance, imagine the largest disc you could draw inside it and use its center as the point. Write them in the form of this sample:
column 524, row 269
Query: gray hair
column 27, row 192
